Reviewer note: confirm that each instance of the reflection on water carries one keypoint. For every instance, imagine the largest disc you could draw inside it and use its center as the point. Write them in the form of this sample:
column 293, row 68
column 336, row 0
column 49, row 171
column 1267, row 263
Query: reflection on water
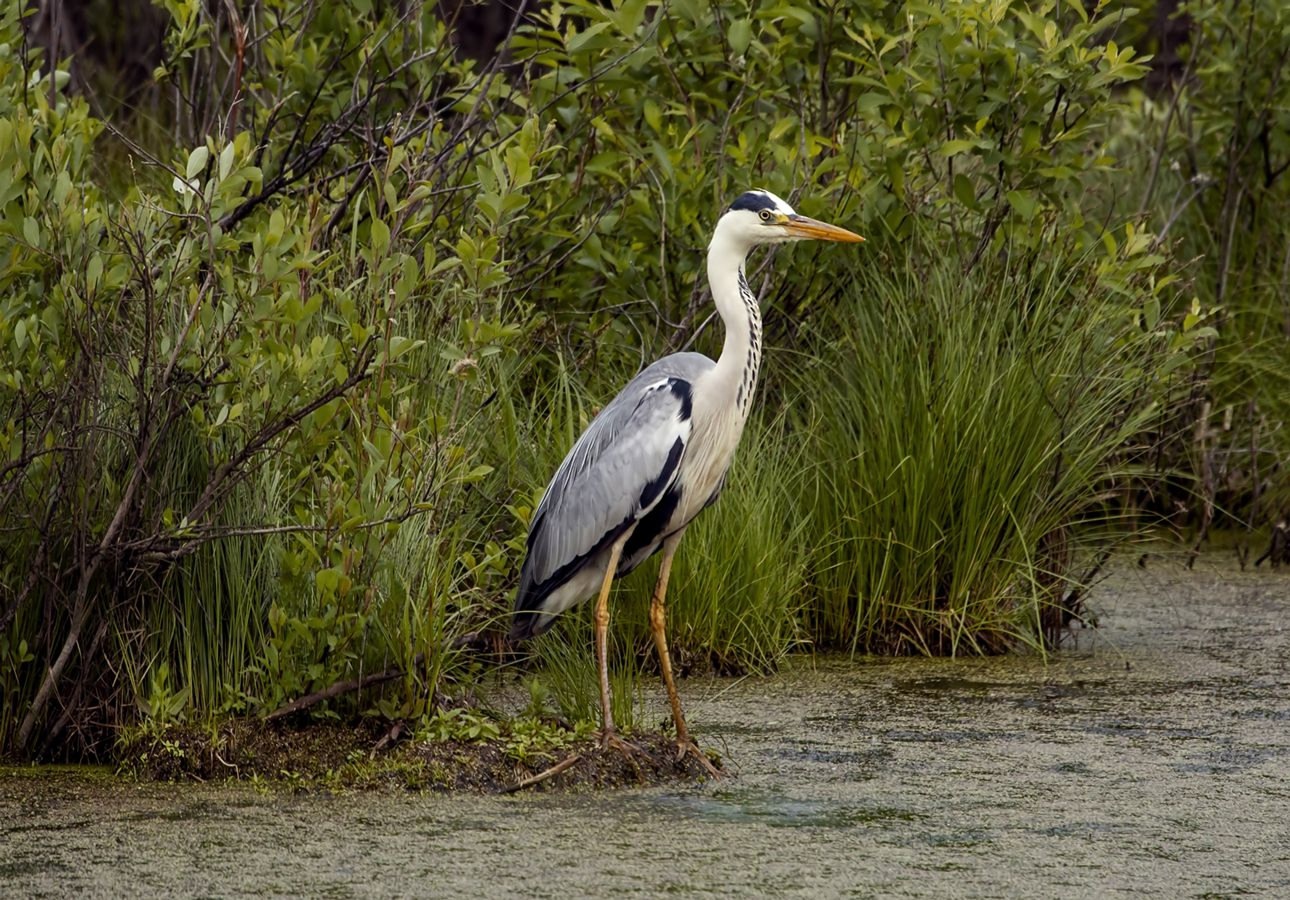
column 1153, row 761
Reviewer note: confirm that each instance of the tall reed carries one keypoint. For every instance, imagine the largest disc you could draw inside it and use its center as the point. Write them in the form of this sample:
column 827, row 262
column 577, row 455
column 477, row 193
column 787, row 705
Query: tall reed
column 967, row 434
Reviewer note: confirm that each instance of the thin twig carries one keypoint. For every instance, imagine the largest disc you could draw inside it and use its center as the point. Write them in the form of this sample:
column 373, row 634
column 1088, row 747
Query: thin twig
column 1164, row 128
column 566, row 763
column 340, row 688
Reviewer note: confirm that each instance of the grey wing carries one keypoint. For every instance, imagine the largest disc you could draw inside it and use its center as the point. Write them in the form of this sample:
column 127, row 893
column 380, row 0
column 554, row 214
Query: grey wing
column 615, row 473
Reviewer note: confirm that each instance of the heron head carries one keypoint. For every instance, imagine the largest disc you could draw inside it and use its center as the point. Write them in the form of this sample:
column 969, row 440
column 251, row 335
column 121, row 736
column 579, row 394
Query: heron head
column 759, row 217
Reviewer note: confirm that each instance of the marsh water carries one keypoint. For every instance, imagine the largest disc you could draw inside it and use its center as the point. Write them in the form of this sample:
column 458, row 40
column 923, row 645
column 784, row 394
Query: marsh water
column 1152, row 759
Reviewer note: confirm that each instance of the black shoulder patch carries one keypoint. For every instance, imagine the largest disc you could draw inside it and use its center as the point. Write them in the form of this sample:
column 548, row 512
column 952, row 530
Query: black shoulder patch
column 685, row 394
column 753, row 201
column 655, row 487
column 650, row 530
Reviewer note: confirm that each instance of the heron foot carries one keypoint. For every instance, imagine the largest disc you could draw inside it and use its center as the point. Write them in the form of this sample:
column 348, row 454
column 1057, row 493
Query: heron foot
column 687, row 747
column 609, row 740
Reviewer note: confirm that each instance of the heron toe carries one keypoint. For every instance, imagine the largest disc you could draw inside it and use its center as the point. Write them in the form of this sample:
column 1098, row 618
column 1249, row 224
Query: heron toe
column 688, row 747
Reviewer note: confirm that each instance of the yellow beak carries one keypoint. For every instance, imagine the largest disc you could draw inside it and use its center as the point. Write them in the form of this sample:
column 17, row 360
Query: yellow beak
column 803, row 226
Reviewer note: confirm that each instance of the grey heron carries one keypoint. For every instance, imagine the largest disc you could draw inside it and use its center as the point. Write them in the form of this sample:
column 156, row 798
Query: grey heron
column 655, row 457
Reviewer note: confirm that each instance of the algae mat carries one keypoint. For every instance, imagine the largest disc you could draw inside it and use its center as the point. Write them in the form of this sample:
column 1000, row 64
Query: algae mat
column 1154, row 760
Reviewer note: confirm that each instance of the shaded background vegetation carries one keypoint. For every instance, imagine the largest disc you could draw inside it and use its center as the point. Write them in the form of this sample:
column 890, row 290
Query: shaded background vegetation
column 302, row 303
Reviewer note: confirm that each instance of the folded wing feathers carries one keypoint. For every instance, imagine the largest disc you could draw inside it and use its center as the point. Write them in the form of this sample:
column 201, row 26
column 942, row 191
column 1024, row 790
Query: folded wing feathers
column 617, row 471
column 599, row 486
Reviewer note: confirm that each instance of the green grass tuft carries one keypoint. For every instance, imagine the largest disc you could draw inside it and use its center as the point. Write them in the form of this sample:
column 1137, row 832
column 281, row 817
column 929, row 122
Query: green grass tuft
column 965, row 432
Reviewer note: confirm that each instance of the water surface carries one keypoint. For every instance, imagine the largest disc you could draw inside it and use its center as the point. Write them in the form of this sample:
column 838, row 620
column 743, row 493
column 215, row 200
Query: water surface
column 1153, row 760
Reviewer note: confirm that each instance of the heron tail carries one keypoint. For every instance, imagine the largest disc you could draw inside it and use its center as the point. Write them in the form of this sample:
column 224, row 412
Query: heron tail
column 529, row 623
column 531, row 616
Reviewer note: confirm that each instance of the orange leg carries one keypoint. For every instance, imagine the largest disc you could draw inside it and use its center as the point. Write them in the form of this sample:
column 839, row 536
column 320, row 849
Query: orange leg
column 607, row 734
column 658, row 626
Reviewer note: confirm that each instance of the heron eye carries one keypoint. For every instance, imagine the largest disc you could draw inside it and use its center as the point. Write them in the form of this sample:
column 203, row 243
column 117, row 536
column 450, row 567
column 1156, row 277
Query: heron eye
column 765, row 215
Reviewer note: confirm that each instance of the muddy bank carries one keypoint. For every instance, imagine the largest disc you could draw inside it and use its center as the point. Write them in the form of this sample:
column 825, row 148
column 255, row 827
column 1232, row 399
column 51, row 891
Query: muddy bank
column 372, row 755
column 1154, row 760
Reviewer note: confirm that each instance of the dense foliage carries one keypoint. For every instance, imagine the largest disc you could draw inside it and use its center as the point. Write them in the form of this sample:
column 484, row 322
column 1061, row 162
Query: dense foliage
column 302, row 306
column 1215, row 150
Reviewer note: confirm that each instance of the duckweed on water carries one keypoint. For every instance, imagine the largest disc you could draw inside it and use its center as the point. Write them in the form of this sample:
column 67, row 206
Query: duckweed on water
column 1163, row 776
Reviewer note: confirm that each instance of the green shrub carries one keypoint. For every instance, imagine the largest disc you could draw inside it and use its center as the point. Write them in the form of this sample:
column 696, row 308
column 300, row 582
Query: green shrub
column 212, row 444
column 982, row 119
column 1216, row 152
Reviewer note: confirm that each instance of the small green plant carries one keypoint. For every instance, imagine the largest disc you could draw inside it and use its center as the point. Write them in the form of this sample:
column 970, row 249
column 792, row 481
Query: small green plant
column 163, row 704
column 530, row 740
column 457, row 724
column 539, row 705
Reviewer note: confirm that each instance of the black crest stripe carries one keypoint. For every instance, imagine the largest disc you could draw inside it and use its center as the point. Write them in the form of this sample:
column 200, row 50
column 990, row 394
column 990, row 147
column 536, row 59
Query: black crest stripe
column 753, row 201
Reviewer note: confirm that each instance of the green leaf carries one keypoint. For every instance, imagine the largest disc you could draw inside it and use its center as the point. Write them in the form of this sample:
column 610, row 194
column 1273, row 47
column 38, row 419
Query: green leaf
column 955, row 147
column 1024, row 203
column 1151, row 312
column 380, row 236
column 782, row 127
column 197, row 161
column 964, row 192
column 739, row 35
column 327, row 580
column 653, row 117
column 225, row 160
column 630, row 15
column 583, row 39
column 62, row 187
column 277, row 223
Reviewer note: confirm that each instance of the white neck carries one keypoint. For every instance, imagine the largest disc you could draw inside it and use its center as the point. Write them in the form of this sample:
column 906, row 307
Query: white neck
column 736, row 371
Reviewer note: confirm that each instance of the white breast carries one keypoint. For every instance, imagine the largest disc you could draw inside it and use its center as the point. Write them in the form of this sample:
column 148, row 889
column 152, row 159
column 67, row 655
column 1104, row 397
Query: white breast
column 716, row 430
